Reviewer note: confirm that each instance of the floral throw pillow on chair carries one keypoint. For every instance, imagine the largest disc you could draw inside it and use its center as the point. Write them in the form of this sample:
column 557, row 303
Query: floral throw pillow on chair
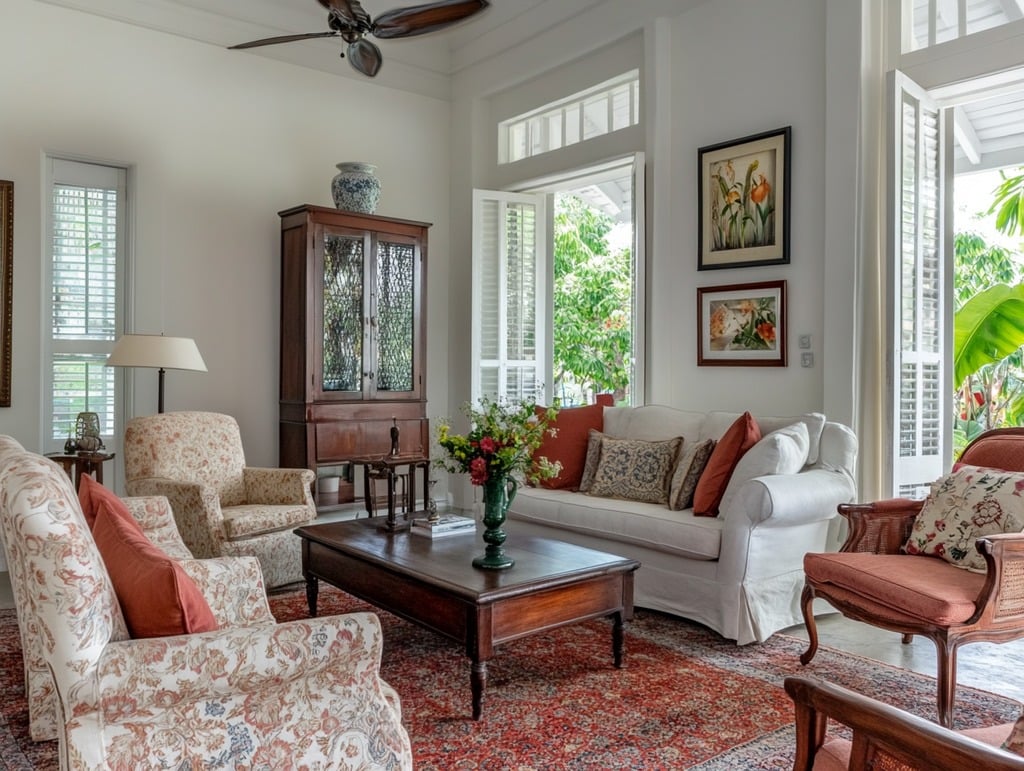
column 969, row 503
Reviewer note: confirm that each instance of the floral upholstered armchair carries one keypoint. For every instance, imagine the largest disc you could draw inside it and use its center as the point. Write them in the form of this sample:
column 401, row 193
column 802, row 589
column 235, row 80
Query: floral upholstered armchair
column 222, row 507
column 250, row 693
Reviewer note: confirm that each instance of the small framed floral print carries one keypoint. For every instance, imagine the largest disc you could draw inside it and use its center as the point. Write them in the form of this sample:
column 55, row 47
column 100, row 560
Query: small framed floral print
column 743, row 196
column 742, row 325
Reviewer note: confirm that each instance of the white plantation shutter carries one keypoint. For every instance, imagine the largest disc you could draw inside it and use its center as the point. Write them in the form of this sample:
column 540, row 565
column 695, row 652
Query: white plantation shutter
column 509, row 297
column 921, row 280
column 85, row 258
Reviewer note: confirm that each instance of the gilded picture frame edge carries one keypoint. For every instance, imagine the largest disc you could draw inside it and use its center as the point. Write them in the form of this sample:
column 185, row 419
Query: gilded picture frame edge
column 6, row 288
column 781, row 360
column 786, row 134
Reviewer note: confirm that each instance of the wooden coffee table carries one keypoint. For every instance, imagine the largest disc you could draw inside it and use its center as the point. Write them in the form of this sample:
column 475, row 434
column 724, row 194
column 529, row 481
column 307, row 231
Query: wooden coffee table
column 432, row 583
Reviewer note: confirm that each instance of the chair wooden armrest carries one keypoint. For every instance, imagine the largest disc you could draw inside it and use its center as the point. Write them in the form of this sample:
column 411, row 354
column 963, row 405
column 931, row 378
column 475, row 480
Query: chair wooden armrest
column 881, row 527
column 1001, row 601
column 884, row 736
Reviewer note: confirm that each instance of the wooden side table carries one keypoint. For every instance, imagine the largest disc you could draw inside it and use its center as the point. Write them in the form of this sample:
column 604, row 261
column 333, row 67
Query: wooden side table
column 386, row 467
column 79, row 464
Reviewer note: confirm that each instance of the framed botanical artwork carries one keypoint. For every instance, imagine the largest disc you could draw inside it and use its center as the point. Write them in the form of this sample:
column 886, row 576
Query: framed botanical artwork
column 743, row 195
column 742, row 325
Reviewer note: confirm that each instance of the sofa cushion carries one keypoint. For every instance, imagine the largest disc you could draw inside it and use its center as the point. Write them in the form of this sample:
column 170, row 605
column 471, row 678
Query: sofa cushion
column 635, row 470
column 157, row 597
column 718, row 422
column 962, row 507
column 652, row 422
column 568, row 445
column 740, row 437
column 258, row 519
column 687, row 473
column 907, row 586
column 781, row 452
column 593, row 457
column 91, row 495
column 654, row 527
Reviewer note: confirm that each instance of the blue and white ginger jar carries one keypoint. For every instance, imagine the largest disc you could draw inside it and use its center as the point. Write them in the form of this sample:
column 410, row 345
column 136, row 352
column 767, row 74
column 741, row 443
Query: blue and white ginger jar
column 356, row 188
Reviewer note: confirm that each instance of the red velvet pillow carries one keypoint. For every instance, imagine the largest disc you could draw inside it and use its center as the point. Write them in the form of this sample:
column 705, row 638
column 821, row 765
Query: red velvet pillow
column 569, row 445
column 158, row 598
column 740, row 437
column 91, row 494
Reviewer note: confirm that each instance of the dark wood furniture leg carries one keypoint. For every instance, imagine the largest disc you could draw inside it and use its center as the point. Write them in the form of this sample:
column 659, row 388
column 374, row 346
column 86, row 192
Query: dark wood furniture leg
column 312, row 594
column 478, row 683
column 618, row 634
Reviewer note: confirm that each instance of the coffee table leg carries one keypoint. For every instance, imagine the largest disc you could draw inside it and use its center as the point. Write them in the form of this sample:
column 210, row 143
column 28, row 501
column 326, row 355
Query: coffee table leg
column 478, row 679
column 618, row 627
column 312, row 592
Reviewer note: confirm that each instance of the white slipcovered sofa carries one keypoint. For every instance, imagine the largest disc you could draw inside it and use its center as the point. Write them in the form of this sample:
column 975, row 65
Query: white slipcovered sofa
column 739, row 573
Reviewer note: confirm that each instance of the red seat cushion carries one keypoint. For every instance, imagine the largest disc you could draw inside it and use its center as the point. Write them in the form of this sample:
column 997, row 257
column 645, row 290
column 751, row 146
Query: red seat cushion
column 743, row 434
column 157, row 597
column 569, row 444
column 898, row 586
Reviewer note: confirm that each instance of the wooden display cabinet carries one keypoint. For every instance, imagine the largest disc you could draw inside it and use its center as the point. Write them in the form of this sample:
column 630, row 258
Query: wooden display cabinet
column 353, row 336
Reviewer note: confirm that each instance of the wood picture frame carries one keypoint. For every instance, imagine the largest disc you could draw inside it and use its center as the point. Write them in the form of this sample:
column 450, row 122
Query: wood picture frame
column 742, row 325
column 744, row 202
column 6, row 287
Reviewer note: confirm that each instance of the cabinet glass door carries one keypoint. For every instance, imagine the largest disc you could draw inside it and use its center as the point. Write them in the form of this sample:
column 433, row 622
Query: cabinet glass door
column 395, row 319
column 343, row 314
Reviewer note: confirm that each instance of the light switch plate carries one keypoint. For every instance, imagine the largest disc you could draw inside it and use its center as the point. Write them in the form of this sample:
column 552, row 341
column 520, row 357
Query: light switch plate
column 806, row 359
column 804, row 341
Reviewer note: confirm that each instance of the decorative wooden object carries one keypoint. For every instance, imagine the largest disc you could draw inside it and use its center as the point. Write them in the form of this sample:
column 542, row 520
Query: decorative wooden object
column 353, row 337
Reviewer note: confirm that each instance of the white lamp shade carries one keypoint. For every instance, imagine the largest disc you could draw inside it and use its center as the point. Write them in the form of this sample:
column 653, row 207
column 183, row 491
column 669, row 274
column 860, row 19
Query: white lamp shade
column 156, row 351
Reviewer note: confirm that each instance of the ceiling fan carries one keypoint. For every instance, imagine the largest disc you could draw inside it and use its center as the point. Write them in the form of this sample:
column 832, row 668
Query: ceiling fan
column 347, row 19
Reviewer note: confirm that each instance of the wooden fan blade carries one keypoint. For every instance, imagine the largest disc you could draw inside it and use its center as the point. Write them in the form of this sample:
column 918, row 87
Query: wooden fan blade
column 350, row 12
column 365, row 57
column 421, row 19
column 269, row 41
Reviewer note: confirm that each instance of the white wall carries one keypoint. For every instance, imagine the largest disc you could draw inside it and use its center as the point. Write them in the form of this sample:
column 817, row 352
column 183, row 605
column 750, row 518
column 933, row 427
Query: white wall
column 219, row 141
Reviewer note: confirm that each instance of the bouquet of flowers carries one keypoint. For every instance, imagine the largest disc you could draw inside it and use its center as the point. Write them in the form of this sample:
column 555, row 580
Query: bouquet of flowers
column 501, row 442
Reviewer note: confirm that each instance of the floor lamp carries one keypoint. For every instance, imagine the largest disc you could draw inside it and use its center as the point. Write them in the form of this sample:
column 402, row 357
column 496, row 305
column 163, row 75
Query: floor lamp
column 159, row 352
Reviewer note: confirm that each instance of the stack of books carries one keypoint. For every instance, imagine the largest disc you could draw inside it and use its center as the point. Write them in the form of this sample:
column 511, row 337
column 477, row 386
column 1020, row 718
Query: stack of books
column 446, row 524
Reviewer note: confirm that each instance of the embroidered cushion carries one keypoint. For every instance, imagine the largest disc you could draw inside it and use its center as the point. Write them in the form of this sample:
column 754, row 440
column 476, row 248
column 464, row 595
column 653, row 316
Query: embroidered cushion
column 568, row 445
column 593, row 457
column 743, row 434
column 963, row 506
column 687, row 472
column 157, row 597
column 635, row 470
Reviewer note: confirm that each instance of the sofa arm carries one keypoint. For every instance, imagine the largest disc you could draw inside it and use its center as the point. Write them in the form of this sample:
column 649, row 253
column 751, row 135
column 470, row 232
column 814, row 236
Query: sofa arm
column 881, row 527
column 134, row 677
column 154, row 515
column 196, row 511
column 279, row 485
column 233, row 588
column 782, row 500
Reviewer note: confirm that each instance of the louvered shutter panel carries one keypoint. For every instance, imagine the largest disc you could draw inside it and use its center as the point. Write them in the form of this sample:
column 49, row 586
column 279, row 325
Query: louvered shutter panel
column 921, row 272
column 509, row 307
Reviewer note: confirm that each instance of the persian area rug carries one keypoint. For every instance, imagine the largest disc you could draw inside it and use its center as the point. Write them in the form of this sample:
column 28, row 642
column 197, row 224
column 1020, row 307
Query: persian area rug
column 685, row 699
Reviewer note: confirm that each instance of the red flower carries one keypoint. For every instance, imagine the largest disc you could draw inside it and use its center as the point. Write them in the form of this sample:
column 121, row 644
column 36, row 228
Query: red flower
column 488, row 445
column 478, row 471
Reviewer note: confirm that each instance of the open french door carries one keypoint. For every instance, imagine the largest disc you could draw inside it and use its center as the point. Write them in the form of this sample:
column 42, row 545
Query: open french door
column 920, row 286
column 511, row 353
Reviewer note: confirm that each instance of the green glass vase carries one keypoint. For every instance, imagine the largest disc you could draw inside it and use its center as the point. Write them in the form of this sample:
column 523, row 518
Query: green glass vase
column 499, row 493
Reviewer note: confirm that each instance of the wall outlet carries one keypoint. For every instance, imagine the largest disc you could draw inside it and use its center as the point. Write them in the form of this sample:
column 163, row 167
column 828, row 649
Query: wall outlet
column 806, row 359
column 804, row 341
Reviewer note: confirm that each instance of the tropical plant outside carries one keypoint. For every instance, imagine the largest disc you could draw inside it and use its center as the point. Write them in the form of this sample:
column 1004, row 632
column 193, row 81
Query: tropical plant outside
column 988, row 366
column 593, row 290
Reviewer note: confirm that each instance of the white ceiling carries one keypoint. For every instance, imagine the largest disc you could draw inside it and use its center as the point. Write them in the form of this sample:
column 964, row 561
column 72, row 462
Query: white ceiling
column 421, row 64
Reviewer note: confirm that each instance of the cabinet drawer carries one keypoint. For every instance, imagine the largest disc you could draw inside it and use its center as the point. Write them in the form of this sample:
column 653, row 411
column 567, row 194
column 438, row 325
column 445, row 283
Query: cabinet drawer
column 338, row 440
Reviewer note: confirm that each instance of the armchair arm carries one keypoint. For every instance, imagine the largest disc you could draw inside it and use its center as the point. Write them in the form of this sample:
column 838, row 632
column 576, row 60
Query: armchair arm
column 881, row 527
column 154, row 515
column 233, row 587
column 781, row 500
column 1001, row 600
column 279, row 485
column 139, row 676
column 196, row 511
column 914, row 743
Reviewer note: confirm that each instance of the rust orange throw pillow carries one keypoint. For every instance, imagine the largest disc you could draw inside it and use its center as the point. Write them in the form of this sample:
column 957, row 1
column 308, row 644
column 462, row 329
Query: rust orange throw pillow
column 740, row 437
column 91, row 494
column 569, row 445
column 158, row 598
